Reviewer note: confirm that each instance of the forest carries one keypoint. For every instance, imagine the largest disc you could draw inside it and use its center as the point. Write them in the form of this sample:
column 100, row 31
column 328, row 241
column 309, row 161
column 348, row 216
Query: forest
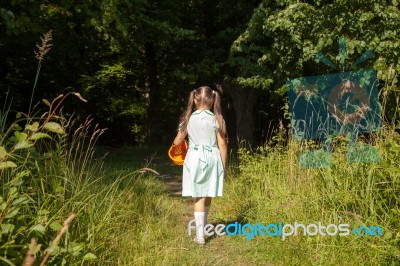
column 90, row 98
column 136, row 61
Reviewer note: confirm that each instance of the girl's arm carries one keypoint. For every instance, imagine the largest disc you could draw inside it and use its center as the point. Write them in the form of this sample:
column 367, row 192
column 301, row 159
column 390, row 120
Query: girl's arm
column 223, row 148
column 180, row 137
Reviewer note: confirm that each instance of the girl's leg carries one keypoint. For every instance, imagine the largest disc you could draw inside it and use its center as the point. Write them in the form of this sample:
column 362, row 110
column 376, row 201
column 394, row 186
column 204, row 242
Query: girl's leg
column 203, row 205
column 199, row 217
column 199, row 204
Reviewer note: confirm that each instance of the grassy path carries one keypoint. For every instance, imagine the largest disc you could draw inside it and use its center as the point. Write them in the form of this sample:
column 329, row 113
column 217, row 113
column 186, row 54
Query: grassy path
column 266, row 190
column 218, row 250
column 161, row 237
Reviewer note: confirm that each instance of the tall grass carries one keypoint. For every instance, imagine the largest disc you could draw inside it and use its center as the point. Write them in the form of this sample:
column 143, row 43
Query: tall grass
column 271, row 187
column 49, row 169
column 122, row 216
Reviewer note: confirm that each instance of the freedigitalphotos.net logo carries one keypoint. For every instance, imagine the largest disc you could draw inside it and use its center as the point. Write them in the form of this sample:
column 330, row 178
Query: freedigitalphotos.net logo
column 249, row 231
column 339, row 104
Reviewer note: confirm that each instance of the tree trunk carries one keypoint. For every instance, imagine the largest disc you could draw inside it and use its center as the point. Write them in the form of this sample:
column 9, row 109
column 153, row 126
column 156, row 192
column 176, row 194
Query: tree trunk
column 243, row 103
column 153, row 116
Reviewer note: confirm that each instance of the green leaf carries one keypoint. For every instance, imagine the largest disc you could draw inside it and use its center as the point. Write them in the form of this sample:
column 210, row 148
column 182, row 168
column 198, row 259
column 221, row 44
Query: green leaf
column 34, row 127
column 18, row 115
column 39, row 135
column 75, row 248
column 16, row 127
column 21, row 200
column 39, row 228
column 89, row 256
column 6, row 228
column 3, row 152
column 36, row 249
column 12, row 213
column 7, row 164
column 23, row 145
column 20, row 136
column 43, row 216
column 43, row 212
column 55, row 225
column 387, row 235
column 12, row 192
column 22, row 174
column 55, row 250
column 17, row 181
column 54, row 127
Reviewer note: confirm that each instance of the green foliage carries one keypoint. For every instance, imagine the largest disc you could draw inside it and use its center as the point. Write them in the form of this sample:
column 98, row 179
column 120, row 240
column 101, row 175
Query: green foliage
column 281, row 41
column 25, row 152
column 27, row 191
column 8, row 19
column 271, row 187
column 101, row 50
column 44, row 177
column 115, row 96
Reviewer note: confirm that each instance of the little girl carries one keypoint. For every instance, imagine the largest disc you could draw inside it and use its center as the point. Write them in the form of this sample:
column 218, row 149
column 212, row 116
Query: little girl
column 204, row 165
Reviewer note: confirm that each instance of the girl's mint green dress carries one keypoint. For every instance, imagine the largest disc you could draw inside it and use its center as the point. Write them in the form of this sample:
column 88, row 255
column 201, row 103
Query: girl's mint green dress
column 203, row 172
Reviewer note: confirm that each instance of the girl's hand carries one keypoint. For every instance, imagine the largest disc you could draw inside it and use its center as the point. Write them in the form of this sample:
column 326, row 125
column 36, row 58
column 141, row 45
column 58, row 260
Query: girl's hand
column 223, row 148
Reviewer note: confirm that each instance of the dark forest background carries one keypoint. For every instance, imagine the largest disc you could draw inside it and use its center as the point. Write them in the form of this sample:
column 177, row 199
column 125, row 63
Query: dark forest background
column 135, row 61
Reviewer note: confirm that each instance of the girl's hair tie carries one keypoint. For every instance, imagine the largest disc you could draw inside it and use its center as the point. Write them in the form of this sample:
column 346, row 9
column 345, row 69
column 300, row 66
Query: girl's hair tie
column 194, row 91
column 213, row 91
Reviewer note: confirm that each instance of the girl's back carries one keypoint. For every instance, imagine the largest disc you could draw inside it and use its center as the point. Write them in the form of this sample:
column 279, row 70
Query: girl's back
column 202, row 128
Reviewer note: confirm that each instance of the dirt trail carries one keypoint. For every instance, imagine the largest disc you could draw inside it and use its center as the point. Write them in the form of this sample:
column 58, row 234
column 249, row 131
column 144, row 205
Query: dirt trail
column 174, row 186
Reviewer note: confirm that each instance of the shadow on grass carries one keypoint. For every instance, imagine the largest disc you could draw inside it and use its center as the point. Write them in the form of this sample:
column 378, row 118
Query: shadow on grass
column 240, row 219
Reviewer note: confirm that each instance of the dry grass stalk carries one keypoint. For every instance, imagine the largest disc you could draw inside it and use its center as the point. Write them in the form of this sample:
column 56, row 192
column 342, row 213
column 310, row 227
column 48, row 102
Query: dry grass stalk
column 45, row 46
column 29, row 259
column 55, row 241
